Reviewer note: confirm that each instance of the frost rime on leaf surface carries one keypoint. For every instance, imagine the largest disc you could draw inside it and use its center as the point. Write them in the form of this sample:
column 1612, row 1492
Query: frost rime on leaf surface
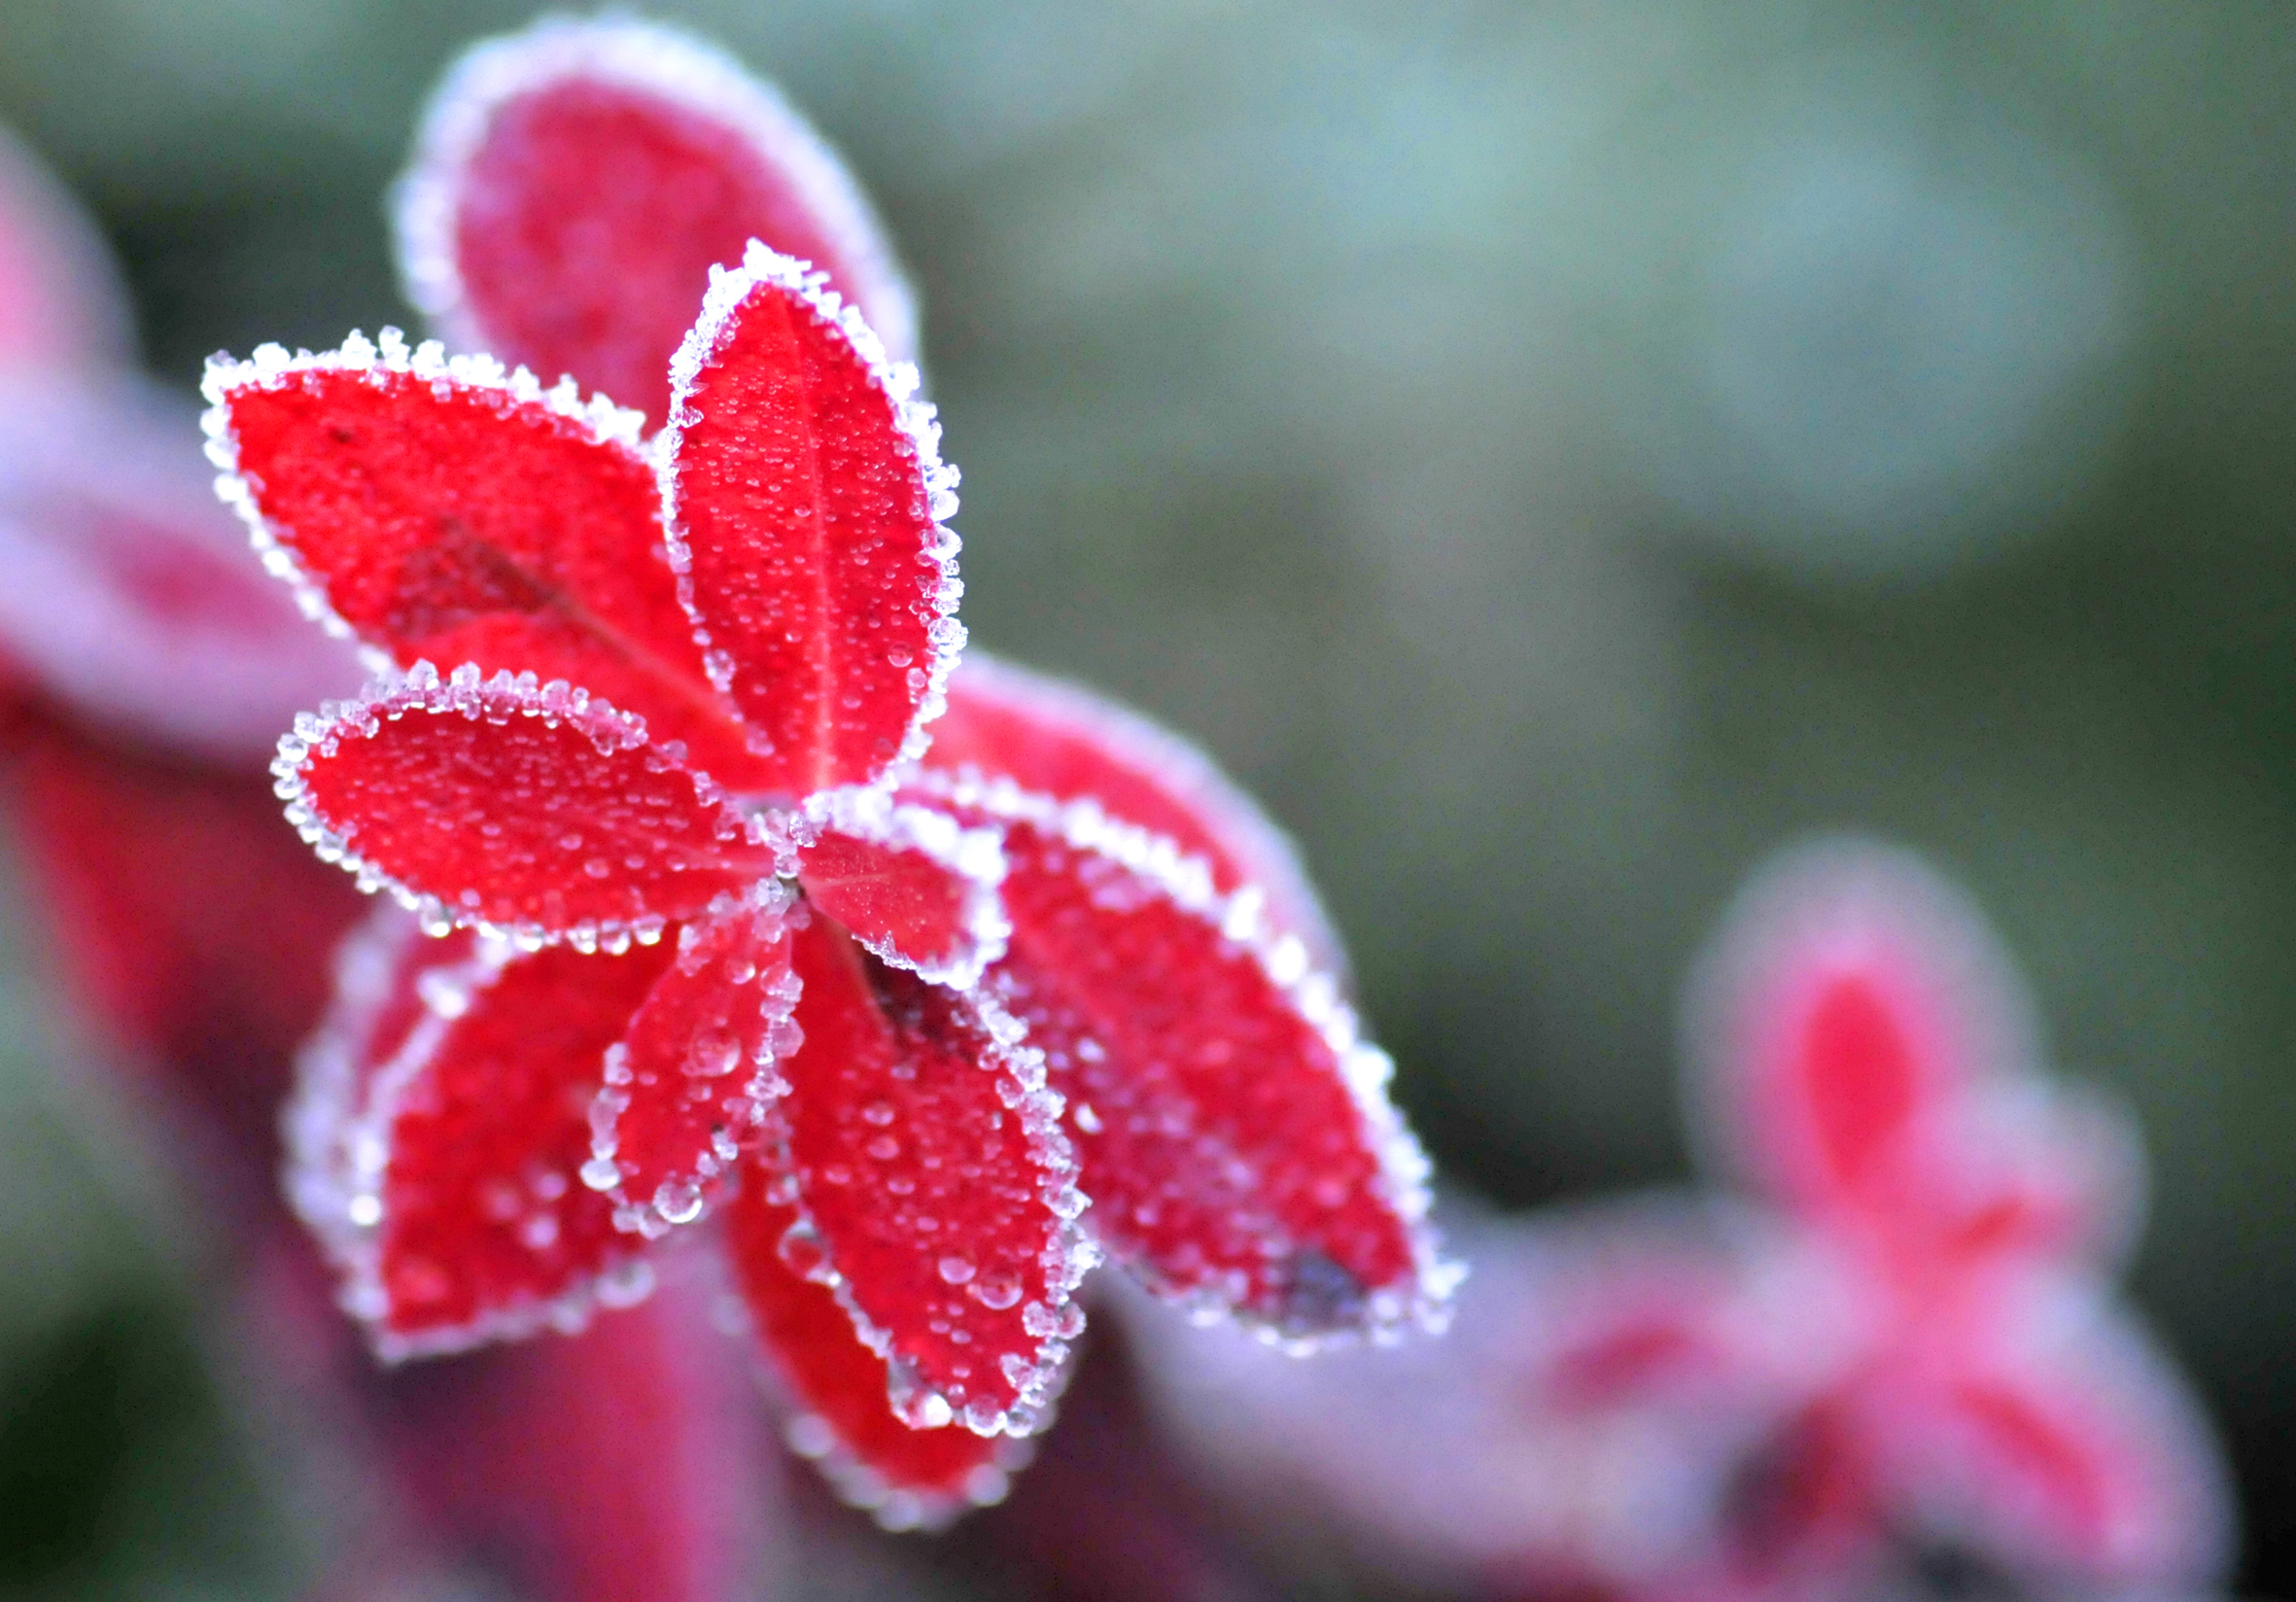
column 909, row 1478
column 438, row 1130
column 938, row 1190
column 807, row 501
column 573, row 184
column 690, row 1083
column 1234, row 1129
column 444, row 509
column 914, row 885
column 522, row 809
column 1061, row 740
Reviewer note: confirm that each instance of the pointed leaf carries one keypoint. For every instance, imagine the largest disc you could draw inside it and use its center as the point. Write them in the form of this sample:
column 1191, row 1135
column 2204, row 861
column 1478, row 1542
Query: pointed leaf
column 1060, row 740
column 508, row 806
column 574, row 183
column 806, row 495
column 938, row 1190
column 909, row 1478
column 133, row 601
column 1850, row 998
column 438, row 1132
column 690, row 1081
column 445, row 511
column 2058, row 1441
column 912, row 884
column 1235, row 1135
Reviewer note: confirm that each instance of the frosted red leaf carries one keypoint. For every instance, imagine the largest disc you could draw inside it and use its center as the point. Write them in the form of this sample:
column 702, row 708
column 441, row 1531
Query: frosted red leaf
column 2059, row 1441
column 1063, row 741
column 806, row 501
column 1235, row 1132
column 184, row 919
column 688, row 1083
column 445, row 511
column 907, row 880
column 62, row 301
column 573, row 183
column 510, row 806
column 133, row 602
column 908, row 1477
column 1853, row 999
column 439, row 1128
column 627, row 1463
column 938, row 1191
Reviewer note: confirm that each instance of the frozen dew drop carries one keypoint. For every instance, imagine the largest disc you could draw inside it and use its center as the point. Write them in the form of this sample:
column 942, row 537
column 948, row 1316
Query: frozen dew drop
column 956, row 1271
column 806, row 1253
column 677, row 1200
column 600, row 1173
column 877, row 1113
column 997, row 1291
column 713, row 1056
column 626, row 1284
column 983, row 1416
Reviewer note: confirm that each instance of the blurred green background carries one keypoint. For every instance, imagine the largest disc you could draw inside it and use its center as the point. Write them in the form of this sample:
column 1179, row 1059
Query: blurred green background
column 1554, row 453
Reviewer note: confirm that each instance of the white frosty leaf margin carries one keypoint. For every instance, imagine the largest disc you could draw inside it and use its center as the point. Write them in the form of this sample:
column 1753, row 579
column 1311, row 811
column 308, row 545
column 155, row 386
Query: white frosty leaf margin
column 895, row 1507
column 1053, row 1318
column 1837, row 906
column 1240, row 917
column 1174, row 765
column 683, row 1196
column 497, row 700
column 693, row 76
column 973, row 855
column 271, row 367
column 338, row 1125
column 730, row 290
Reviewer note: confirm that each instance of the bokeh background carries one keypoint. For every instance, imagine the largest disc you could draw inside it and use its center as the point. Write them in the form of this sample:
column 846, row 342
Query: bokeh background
column 1554, row 453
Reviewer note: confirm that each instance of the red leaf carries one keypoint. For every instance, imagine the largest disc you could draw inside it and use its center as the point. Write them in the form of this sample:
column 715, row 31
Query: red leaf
column 446, row 512
column 573, row 183
column 1235, row 1135
column 133, row 601
column 62, row 301
column 908, row 1477
column 1850, row 998
column 690, row 1081
column 937, row 1187
column 2058, row 1440
column 505, row 805
column 439, row 1128
column 1063, row 741
column 912, row 885
column 622, row 1464
column 182, row 913
column 806, row 492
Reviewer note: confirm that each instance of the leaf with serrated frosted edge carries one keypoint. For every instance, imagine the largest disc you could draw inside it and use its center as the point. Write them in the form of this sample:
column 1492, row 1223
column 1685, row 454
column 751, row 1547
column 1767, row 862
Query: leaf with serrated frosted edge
column 574, row 182
column 1234, row 1135
column 527, row 809
column 909, row 1478
column 1061, row 740
column 907, row 880
column 450, row 512
column 806, row 502
column 938, row 1189
column 688, row 1084
column 438, row 1130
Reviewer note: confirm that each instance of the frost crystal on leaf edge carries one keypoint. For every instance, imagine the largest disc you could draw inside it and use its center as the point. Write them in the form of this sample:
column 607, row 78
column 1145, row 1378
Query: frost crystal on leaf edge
column 650, row 56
